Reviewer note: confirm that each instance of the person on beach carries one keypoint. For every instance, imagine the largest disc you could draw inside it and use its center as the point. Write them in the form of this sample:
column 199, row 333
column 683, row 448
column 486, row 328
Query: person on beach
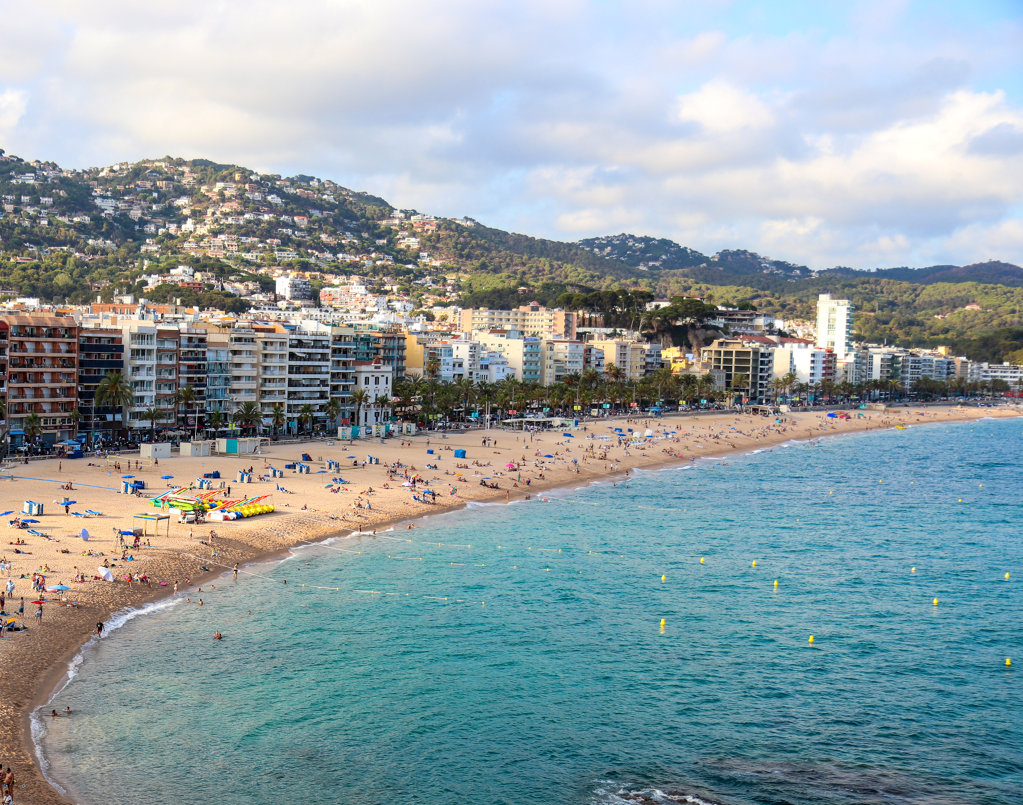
column 39, row 613
column 99, row 629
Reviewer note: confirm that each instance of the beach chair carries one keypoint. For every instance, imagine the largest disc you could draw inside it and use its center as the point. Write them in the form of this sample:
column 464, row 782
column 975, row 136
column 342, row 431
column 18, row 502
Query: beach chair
column 92, row 513
column 78, row 514
column 35, row 533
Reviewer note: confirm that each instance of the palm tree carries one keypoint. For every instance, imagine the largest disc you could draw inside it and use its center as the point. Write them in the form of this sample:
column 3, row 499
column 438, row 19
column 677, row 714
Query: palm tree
column 216, row 421
column 75, row 416
column 359, row 398
column 33, row 426
column 152, row 414
column 278, row 416
column 249, row 416
column 305, row 414
column 186, row 398
column 740, row 387
column 114, row 391
column 333, row 410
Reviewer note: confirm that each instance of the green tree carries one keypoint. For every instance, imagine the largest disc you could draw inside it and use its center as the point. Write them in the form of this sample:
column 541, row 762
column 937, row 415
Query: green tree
column 248, row 416
column 33, row 426
column 114, row 391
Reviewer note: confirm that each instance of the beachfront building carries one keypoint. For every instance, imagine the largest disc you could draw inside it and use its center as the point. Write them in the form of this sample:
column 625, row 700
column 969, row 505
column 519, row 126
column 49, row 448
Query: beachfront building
column 677, row 359
column 743, row 368
column 561, row 357
column 628, row 355
column 532, row 319
column 522, row 353
column 342, row 369
column 309, row 350
column 40, row 366
column 139, row 369
column 375, row 379
column 218, row 376
column 593, row 359
column 1010, row 373
column 272, row 371
column 100, row 352
column 192, row 373
column 835, row 325
column 166, row 384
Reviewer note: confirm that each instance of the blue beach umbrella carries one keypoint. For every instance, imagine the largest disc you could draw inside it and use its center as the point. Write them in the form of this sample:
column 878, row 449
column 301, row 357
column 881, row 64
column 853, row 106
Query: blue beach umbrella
column 30, row 521
column 4, row 514
column 166, row 477
column 127, row 476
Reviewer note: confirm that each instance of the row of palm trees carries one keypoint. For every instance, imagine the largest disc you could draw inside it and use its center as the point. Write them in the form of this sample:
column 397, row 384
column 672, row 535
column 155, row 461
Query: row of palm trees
column 427, row 399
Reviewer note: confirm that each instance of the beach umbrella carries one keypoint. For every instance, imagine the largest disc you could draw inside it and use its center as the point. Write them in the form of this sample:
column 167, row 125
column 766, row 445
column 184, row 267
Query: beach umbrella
column 547, row 455
column 57, row 588
column 832, row 414
column 39, row 602
column 509, row 466
column 30, row 521
column 70, row 502
column 85, row 534
column 105, row 573
column 166, row 477
column 4, row 514
column 127, row 476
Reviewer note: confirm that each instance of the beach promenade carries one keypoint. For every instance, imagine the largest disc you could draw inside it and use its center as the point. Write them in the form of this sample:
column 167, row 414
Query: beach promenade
column 405, row 480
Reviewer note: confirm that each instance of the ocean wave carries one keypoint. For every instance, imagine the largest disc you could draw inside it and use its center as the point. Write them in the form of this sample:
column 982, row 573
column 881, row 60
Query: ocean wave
column 610, row 794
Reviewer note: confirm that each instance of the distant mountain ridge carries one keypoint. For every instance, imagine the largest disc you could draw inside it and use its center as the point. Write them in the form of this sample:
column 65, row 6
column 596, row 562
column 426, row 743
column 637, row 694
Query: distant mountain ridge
column 656, row 255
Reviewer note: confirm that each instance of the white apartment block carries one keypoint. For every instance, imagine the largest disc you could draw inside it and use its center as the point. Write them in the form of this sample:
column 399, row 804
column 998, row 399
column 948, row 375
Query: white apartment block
column 835, row 325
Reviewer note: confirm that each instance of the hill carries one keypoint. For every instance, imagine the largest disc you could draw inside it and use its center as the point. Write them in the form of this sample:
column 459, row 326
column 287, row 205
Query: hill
column 72, row 235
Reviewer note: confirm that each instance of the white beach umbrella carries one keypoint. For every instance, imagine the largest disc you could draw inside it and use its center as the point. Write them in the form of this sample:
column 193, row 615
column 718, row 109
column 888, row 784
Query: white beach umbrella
column 105, row 573
column 85, row 534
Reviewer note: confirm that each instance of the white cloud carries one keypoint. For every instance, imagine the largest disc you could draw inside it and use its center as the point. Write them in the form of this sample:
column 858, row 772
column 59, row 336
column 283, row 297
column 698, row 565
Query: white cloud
column 871, row 138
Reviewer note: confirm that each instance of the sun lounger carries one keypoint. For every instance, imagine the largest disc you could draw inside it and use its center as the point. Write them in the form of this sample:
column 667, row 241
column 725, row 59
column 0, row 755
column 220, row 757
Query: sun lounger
column 78, row 514
column 93, row 514
column 35, row 533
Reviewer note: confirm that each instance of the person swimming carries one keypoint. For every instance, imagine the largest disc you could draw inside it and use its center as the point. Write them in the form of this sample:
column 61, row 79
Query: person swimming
column 218, row 636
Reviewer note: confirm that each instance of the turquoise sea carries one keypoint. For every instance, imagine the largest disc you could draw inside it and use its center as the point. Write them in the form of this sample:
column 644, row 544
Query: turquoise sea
column 514, row 654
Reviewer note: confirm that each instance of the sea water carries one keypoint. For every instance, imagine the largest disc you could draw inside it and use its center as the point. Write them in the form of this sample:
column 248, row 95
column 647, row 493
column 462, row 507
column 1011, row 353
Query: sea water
column 515, row 654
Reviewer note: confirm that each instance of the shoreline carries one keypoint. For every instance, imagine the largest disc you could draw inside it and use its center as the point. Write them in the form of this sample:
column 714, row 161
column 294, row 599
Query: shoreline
column 31, row 682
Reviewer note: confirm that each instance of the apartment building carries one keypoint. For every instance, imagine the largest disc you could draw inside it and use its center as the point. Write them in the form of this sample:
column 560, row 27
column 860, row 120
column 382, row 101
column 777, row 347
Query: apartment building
column 100, row 352
column 193, row 372
column 375, row 378
column 524, row 354
column 561, row 357
column 532, row 319
column 734, row 359
column 40, row 366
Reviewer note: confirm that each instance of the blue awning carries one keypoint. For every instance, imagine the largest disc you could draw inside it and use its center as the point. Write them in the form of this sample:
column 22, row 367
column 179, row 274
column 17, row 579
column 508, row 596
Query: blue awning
column 17, row 433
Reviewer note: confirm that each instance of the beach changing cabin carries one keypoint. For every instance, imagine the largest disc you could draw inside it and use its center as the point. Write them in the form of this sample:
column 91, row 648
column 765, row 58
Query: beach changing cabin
column 238, row 447
column 200, row 448
column 155, row 450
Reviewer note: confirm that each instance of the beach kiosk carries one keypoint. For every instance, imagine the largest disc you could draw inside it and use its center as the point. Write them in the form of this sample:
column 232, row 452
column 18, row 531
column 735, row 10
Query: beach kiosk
column 155, row 450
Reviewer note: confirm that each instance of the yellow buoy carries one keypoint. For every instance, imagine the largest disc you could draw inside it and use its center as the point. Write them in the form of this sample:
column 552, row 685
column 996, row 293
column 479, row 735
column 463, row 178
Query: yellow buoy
column 701, row 560
column 831, row 493
column 935, row 602
column 662, row 622
column 811, row 639
column 754, row 563
column 1006, row 576
column 960, row 500
column 912, row 570
column 776, row 582
column 664, row 578
column 1008, row 662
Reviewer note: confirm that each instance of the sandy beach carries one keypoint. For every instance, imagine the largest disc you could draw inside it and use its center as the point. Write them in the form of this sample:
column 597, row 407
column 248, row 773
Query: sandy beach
column 498, row 465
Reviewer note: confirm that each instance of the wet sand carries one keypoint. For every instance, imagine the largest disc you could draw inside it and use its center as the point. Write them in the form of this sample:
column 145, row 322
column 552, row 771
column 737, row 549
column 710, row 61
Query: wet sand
column 35, row 662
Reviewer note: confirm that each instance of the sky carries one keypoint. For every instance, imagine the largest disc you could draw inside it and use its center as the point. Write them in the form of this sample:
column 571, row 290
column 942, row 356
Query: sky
column 869, row 133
